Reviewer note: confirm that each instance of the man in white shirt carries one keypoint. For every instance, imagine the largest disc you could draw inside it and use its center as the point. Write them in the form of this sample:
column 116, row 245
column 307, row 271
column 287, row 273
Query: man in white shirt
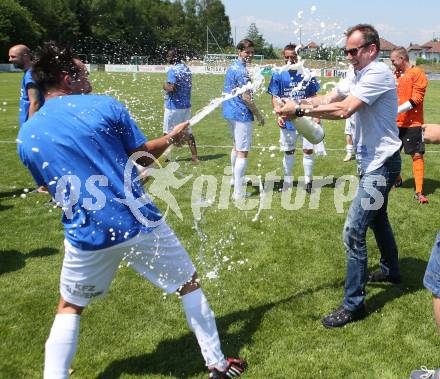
column 344, row 89
column 372, row 105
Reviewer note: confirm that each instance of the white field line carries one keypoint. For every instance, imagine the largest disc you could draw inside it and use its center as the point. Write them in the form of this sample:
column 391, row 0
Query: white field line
column 267, row 147
column 253, row 147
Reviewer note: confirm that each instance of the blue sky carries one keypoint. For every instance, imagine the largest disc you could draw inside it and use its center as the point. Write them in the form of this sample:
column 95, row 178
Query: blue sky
column 324, row 21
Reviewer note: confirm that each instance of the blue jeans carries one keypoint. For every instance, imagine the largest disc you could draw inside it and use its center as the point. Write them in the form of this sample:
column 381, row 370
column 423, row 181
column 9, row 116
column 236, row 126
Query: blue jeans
column 432, row 273
column 369, row 209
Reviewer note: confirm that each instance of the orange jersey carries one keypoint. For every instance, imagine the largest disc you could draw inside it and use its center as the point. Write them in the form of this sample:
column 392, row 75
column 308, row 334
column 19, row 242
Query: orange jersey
column 411, row 86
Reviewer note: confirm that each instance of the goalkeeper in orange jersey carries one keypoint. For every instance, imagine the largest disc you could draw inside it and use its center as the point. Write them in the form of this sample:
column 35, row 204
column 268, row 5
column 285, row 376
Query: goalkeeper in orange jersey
column 411, row 88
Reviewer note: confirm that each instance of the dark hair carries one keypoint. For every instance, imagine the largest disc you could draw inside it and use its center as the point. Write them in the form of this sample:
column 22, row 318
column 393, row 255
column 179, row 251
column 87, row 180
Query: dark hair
column 402, row 52
column 290, row 46
column 369, row 33
column 244, row 44
column 51, row 62
column 176, row 54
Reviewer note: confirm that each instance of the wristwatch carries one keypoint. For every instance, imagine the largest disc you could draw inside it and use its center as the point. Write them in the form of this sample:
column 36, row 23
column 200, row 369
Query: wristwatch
column 299, row 112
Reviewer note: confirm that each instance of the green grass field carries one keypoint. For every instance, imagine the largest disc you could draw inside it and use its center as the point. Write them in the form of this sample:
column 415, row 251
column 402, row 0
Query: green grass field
column 276, row 277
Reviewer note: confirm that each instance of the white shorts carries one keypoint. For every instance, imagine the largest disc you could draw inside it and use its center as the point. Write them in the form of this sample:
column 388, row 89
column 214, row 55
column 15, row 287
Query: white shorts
column 173, row 117
column 241, row 134
column 348, row 127
column 288, row 138
column 158, row 256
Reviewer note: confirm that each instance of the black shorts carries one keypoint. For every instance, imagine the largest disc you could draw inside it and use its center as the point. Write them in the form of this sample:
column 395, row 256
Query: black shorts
column 412, row 140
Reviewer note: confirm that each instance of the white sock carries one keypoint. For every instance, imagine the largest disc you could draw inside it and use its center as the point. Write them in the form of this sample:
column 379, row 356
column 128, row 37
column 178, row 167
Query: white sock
column 349, row 149
column 288, row 163
column 201, row 321
column 233, row 159
column 61, row 346
column 239, row 171
column 308, row 163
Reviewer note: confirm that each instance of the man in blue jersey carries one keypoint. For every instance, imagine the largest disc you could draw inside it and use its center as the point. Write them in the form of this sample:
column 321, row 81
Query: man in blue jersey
column 291, row 85
column 31, row 98
column 239, row 112
column 81, row 146
column 178, row 97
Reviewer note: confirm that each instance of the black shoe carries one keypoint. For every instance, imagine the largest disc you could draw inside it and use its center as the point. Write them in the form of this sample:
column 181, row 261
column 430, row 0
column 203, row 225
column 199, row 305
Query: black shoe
column 309, row 188
column 398, row 183
column 380, row 277
column 341, row 317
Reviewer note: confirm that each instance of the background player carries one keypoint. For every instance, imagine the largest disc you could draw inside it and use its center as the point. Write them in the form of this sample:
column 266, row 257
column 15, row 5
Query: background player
column 289, row 85
column 79, row 145
column 411, row 87
column 239, row 112
column 178, row 97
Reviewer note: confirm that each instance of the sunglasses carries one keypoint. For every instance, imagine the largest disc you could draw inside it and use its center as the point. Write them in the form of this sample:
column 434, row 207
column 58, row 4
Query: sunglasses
column 355, row 50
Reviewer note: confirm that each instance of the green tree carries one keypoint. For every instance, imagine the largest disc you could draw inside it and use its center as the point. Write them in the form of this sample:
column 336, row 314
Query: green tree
column 193, row 30
column 269, row 52
column 261, row 46
column 55, row 17
column 123, row 28
column 17, row 26
column 118, row 29
column 254, row 35
column 212, row 14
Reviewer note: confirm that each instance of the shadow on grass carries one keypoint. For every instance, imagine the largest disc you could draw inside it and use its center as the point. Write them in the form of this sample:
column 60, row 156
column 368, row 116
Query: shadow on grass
column 203, row 158
column 279, row 185
column 13, row 260
column 412, row 271
column 179, row 358
column 429, row 185
column 9, row 194
column 5, row 207
column 16, row 192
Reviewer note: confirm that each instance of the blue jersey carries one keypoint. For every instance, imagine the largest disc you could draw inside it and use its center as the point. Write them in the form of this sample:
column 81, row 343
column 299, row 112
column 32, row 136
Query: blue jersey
column 235, row 108
column 288, row 84
column 179, row 75
column 24, row 98
column 79, row 145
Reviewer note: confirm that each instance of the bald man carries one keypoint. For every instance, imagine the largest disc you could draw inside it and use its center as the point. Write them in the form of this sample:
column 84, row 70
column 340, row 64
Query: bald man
column 31, row 98
column 411, row 88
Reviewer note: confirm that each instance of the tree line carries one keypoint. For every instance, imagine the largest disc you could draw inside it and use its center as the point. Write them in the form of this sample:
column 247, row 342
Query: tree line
column 115, row 30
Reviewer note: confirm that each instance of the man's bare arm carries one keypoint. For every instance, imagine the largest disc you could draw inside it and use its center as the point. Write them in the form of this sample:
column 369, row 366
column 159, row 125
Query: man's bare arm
column 317, row 100
column 34, row 99
column 431, row 133
column 316, row 119
column 332, row 111
column 157, row 146
column 253, row 108
column 169, row 87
